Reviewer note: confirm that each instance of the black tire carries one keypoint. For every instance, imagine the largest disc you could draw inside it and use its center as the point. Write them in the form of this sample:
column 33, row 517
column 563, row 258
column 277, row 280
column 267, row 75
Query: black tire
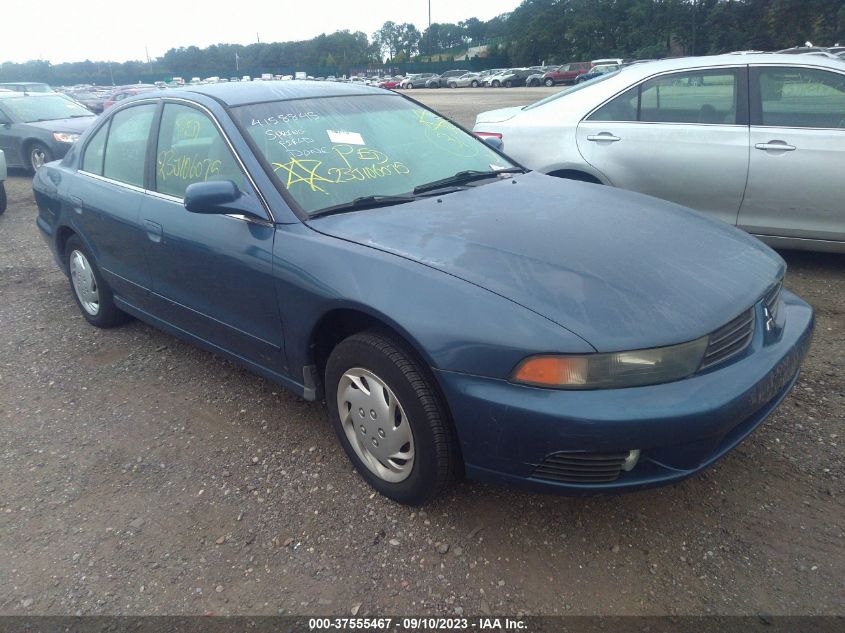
column 2, row 197
column 435, row 453
column 452, row 84
column 38, row 154
column 474, row 83
column 410, row 86
column 496, row 83
column 108, row 314
column 508, row 84
column 549, row 83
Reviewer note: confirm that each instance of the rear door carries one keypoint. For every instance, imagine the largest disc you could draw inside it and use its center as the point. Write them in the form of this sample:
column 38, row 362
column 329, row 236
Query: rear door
column 680, row 136
column 796, row 182
column 106, row 199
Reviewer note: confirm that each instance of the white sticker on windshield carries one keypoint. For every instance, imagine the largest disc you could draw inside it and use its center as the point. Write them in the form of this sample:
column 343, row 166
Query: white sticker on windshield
column 345, row 138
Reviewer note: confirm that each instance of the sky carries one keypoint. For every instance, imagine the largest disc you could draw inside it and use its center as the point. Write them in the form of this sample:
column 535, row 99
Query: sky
column 62, row 31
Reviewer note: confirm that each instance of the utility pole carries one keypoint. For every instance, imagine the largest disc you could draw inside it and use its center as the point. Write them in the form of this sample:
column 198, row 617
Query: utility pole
column 429, row 30
column 237, row 65
column 694, row 28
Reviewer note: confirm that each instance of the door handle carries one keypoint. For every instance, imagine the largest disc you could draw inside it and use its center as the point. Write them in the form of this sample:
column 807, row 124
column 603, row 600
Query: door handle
column 77, row 204
column 604, row 137
column 777, row 146
column 154, row 231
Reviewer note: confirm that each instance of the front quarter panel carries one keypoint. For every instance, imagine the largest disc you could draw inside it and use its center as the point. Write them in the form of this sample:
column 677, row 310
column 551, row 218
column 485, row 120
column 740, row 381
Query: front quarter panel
column 453, row 324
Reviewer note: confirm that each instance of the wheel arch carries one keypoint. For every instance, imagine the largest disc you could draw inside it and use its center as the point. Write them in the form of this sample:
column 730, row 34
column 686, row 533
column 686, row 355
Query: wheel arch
column 340, row 323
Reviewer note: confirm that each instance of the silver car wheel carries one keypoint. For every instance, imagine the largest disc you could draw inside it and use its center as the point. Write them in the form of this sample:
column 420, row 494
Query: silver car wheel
column 38, row 157
column 375, row 425
column 84, row 283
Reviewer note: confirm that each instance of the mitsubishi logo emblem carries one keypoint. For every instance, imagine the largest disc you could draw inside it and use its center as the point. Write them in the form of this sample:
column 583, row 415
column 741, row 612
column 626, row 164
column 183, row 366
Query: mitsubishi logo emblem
column 769, row 319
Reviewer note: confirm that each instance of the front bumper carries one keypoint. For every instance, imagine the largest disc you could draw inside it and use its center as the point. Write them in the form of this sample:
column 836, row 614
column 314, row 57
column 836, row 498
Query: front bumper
column 681, row 428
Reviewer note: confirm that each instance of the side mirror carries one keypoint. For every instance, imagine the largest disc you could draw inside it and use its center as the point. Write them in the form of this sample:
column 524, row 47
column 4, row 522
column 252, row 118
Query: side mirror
column 219, row 197
column 495, row 142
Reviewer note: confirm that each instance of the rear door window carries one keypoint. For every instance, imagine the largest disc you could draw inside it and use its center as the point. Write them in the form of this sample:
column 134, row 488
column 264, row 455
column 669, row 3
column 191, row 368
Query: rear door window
column 799, row 98
column 126, row 148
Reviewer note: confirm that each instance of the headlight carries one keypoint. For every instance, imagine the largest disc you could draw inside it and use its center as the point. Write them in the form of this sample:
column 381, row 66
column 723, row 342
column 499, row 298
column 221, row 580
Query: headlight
column 612, row 371
column 65, row 137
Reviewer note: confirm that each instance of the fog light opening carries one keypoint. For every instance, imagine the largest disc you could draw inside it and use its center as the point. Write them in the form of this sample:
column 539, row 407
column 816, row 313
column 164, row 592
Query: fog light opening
column 631, row 460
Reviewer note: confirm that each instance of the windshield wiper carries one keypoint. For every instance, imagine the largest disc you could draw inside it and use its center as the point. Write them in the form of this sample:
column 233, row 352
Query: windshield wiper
column 465, row 176
column 363, row 202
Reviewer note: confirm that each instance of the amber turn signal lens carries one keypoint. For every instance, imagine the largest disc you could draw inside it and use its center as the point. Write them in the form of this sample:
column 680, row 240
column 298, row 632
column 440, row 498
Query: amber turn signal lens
column 553, row 371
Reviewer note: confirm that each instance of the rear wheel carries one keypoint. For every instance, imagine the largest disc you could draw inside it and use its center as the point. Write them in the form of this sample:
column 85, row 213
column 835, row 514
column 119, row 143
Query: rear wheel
column 92, row 294
column 509, row 84
column 496, row 83
column 39, row 154
column 452, row 84
column 389, row 417
column 549, row 83
column 474, row 83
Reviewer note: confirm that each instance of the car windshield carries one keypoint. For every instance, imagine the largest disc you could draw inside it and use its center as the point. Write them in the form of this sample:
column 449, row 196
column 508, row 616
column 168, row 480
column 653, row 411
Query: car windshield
column 568, row 91
column 333, row 151
column 47, row 108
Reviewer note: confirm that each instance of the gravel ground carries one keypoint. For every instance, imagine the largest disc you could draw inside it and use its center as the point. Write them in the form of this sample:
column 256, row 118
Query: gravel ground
column 140, row 475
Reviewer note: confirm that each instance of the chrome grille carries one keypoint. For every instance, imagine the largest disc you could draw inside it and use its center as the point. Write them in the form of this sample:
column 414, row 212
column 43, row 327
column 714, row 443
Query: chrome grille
column 581, row 468
column 729, row 340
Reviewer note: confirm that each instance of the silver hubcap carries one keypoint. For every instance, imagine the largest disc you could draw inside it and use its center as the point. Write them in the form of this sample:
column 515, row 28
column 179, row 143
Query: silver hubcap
column 38, row 158
column 375, row 424
column 84, row 283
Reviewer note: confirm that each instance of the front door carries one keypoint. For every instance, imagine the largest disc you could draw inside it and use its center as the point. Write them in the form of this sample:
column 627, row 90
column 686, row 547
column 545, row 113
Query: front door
column 795, row 183
column 212, row 274
column 680, row 136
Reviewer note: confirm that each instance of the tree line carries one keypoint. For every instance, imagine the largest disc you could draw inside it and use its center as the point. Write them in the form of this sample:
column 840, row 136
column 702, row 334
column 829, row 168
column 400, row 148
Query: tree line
column 537, row 31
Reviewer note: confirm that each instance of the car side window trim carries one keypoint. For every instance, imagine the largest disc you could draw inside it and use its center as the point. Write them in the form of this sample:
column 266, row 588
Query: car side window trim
column 226, row 139
column 756, row 96
column 742, row 110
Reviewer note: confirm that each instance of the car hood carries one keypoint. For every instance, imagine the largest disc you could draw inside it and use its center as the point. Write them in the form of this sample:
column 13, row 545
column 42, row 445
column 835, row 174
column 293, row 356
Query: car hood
column 621, row 270
column 76, row 125
column 497, row 116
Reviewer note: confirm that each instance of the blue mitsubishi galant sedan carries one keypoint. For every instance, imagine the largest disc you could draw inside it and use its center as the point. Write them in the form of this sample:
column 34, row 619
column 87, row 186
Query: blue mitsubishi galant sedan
column 458, row 314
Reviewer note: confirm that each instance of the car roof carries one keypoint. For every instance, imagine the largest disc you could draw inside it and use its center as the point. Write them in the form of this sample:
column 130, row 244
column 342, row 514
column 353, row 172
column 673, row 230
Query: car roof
column 241, row 93
column 27, row 95
column 785, row 59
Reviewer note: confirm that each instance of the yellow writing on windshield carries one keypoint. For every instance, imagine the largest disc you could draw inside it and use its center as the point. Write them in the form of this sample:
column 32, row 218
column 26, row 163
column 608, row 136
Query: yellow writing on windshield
column 304, row 171
column 446, row 135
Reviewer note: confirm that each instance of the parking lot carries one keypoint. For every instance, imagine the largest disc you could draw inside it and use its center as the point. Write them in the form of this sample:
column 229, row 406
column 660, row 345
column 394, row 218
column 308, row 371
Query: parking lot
column 141, row 475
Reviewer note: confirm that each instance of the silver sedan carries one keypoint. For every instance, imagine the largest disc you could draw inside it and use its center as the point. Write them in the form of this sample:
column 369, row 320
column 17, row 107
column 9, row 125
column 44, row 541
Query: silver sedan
column 756, row 140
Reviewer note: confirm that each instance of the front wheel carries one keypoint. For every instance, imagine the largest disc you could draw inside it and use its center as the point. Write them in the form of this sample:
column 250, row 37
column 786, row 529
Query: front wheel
column 508, row 84
column 549, row 83
column 39, row 154
column 474, row 83
column 496, row 83
column 92, row 294
column 2, row 197
column 410, row 86
column 389, row 417
column 452, row 84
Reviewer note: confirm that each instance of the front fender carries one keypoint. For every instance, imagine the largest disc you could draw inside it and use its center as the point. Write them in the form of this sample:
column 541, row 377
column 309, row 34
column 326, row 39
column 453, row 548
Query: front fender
column 454, row 325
